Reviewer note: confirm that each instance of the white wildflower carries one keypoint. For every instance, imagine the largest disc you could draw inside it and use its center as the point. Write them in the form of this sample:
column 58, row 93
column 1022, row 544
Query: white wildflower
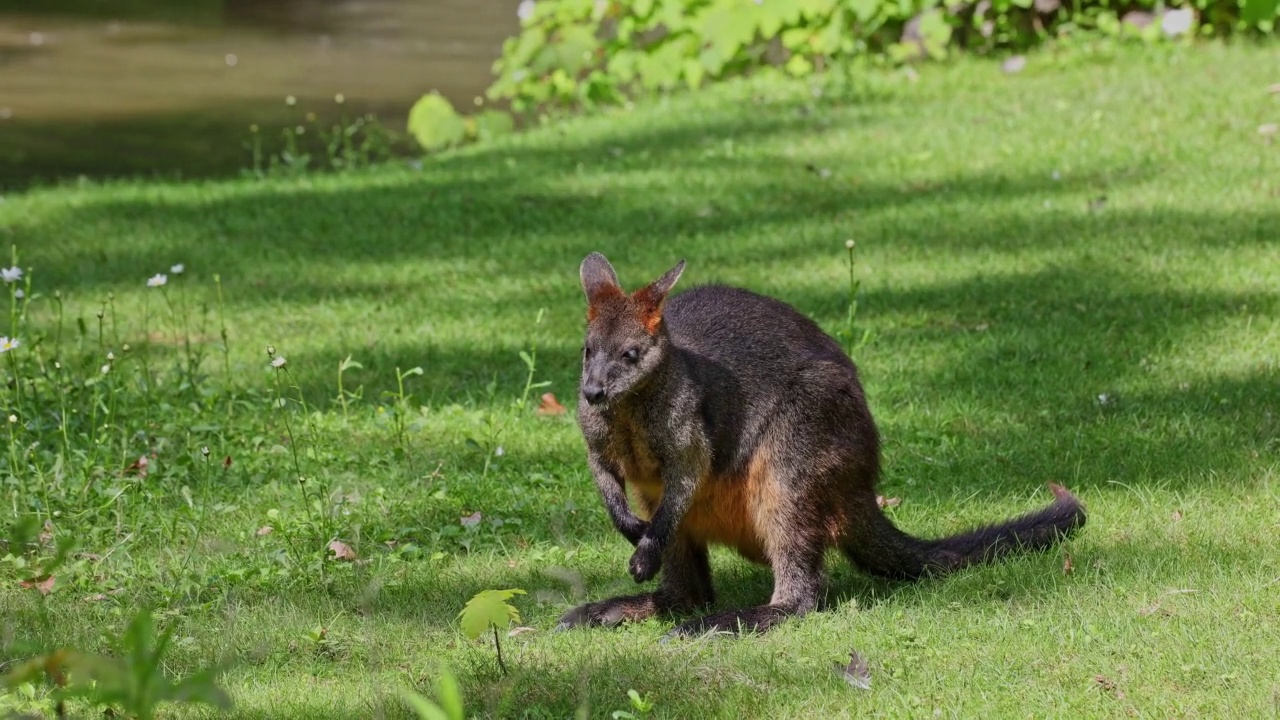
column 339, row 98
column 110, row 356
column 106, row 369
column 1177, row 22
column 6, row 344
column 279, row 362
column 499, row 452
column 13, row 419
column 205, row 451
column 525, row 10
column 157, row 280
column 11, row 274
column 177, row 269
column 19, row 294
column 291, row 101
column 848, row 244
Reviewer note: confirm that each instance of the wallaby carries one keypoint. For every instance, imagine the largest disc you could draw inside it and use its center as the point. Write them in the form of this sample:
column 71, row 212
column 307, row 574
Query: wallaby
column 737, row 421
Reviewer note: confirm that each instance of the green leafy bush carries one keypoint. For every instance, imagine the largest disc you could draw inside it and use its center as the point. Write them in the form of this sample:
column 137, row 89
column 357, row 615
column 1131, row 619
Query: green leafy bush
column 587, row 52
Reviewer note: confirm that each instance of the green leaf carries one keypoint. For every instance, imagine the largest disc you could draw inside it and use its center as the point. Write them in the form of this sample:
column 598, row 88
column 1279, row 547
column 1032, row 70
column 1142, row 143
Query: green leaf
column 1257, row 11
column 422, row 707
column 434, row 123
column 799, row 65
column 450, row 695
column 493, row 123
column 864, row 10
column 727, row 28
column 201, row 687
column 693, row 73
column 488, row 607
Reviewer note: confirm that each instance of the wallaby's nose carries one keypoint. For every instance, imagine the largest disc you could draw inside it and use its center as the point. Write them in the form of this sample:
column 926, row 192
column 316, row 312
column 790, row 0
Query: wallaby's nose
column 593, row 393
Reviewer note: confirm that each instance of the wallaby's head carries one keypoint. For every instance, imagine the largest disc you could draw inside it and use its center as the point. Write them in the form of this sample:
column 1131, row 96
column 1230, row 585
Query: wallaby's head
column 626, row 340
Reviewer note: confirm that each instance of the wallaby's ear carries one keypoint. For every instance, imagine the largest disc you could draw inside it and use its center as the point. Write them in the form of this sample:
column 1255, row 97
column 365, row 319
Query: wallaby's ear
column 598, row 277
column 651, row 297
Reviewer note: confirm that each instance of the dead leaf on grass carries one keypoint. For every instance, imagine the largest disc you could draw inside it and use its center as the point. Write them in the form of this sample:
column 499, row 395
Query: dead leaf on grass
column 885, row 502
column 139, row 466
column 550, row 406
column 1108, row 686
column 856, row 673
column 1067, row 566
column 341, row 550
column 519, row 631
column 1177, row 516
column 265, row 530
column 44, row 586
column 47, row 533
column 471, row 520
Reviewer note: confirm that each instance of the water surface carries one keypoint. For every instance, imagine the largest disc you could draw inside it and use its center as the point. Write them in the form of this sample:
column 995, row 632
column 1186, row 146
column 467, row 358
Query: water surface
column 143, row 87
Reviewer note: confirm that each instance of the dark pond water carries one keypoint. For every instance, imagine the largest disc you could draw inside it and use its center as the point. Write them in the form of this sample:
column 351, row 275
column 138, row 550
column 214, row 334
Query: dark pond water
column 144, row 87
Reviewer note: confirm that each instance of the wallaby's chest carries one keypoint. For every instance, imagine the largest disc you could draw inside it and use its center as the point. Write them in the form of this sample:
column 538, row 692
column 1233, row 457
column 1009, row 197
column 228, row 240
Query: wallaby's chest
column 724, row 509
column 629, row 443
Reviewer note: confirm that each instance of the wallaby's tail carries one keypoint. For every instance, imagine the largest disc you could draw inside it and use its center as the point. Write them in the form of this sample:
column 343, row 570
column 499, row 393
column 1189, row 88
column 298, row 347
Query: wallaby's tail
column 878, row 547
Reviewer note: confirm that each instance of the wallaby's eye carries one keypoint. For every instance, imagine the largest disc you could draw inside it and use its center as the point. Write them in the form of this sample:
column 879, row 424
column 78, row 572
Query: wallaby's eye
column 632, row 356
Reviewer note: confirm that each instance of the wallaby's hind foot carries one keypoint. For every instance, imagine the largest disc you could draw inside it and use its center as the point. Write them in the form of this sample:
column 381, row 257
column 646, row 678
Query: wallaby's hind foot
column 685, row 587
column 798, row 582
column 611, row 612
column 759, row 619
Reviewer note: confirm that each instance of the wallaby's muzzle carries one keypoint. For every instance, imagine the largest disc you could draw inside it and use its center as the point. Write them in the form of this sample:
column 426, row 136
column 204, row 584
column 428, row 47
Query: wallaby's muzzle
column 593, row 393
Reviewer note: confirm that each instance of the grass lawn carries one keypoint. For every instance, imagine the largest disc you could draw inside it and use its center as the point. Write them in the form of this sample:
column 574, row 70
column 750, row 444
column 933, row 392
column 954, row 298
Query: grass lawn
column 1023, row 329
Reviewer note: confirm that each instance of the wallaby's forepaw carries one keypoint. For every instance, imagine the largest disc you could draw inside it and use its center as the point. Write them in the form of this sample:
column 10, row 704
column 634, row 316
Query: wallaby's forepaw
column 633, row 528
column 646, row 560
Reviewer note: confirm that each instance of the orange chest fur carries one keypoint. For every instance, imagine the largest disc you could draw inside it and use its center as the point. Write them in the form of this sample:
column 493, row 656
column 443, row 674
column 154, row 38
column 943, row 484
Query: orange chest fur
column 726, row 510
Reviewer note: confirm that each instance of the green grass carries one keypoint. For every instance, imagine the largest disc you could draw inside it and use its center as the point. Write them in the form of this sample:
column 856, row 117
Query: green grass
column 1002, row 309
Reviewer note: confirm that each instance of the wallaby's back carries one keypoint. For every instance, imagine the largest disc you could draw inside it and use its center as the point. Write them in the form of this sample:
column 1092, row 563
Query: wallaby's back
column 760, row 362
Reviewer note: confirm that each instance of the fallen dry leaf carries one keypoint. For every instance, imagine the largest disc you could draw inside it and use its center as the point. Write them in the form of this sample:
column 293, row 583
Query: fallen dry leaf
column 265, row 530
column 856, row 673
column 1067, row 566
column 885, row 502
column 471, row 520
column 44, row 586
column 550, row 406
column 99, row 597
column 341, row 550
column 226, row 462
column 1108, row 686
column 1268, row 129
column 47, row 534
column 139, row 466
column 1177, row 516
column 519, row 631
column 1274, row 89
